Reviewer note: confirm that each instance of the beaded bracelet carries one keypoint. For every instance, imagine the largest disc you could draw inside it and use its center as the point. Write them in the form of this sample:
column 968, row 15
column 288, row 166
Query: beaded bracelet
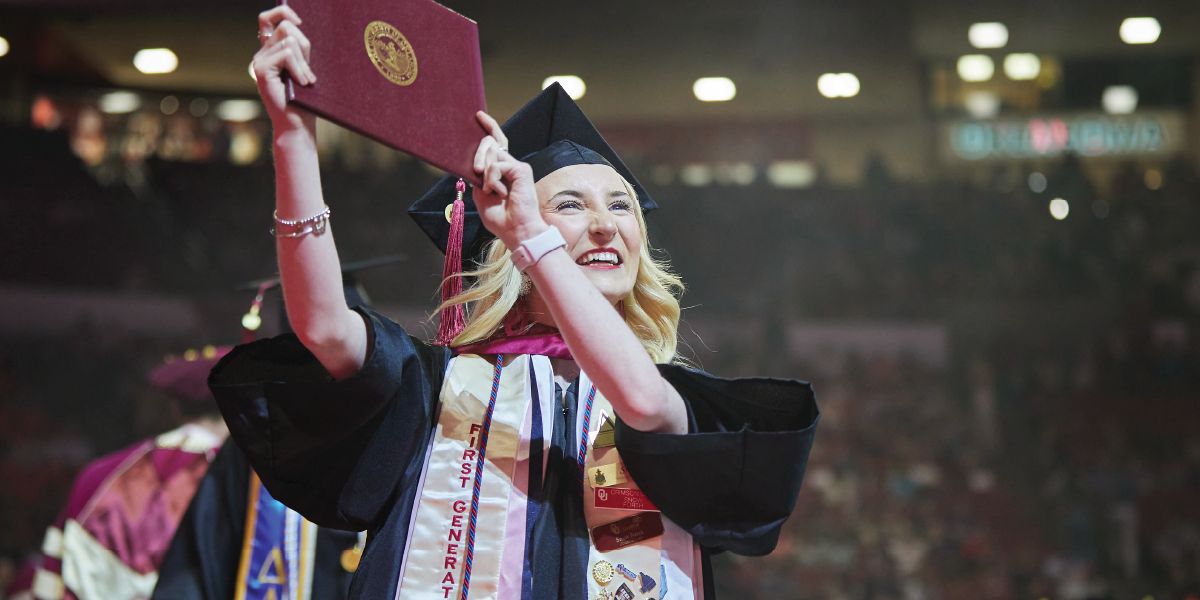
column 315, row 225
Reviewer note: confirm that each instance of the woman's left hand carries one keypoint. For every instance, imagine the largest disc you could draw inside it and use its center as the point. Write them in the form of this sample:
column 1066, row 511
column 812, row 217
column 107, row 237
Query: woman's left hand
column 507, row 201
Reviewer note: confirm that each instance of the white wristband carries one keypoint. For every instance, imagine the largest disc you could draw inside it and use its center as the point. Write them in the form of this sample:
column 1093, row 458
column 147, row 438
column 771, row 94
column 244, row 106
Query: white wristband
column 533, row 249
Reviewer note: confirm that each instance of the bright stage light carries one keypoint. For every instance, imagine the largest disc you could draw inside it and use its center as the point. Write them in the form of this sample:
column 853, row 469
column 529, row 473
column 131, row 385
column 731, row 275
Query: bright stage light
column 838, row 85
column 1059, row 209
column 1119, row 99
column 119, row 103
column 1140, row 30
column 153, row 61
column 573, row 85
column 714, row 89
column 238, row 111
column 3, row 46
column 988, row 35
column 1022, row 67
column 976, row 67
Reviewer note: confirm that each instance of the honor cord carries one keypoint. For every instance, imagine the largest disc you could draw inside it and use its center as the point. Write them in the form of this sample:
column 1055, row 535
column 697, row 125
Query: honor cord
column 583, row 439
column 483, row 439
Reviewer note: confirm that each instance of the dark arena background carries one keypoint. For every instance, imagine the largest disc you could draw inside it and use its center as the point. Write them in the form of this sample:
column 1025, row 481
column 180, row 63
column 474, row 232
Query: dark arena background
column 974, row 226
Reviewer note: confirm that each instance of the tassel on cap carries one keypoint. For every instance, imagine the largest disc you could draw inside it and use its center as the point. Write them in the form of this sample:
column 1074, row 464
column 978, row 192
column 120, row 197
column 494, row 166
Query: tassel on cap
column 251, row 321
column 454, row 318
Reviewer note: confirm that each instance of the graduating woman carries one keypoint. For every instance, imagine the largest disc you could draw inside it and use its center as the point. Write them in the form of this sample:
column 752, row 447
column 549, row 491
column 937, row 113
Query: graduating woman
column 545, row 445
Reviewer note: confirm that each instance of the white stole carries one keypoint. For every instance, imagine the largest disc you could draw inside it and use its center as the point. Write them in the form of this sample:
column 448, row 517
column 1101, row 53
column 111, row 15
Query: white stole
column 678, row 556
column 432, row 567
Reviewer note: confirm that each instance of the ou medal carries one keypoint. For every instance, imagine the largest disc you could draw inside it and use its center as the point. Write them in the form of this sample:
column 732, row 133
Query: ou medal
column 350, row 558
column 603, row 572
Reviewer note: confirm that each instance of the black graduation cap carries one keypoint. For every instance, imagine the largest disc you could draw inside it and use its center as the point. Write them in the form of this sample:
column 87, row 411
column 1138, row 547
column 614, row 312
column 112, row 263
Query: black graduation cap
column 270, row 294
column 550, row 132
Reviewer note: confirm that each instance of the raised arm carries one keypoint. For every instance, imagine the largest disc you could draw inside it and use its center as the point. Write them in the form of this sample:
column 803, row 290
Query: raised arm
column 600, row 341
column 308, row 265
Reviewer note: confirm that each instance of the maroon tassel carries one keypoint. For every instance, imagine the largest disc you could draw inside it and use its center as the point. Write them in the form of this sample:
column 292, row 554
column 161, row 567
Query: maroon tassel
column 454, row 318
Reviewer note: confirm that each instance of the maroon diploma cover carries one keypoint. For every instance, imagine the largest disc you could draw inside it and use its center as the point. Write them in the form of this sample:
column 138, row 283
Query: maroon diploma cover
column 405, row 73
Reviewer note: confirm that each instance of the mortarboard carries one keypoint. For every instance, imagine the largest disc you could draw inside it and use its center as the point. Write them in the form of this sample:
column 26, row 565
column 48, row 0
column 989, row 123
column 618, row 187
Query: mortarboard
column 550, row 117
column 269, row 289
column 186, row 377
column 549, row 133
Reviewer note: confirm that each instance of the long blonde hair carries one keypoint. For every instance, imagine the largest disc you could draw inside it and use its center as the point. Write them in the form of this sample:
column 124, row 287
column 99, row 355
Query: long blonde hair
column 651, row 309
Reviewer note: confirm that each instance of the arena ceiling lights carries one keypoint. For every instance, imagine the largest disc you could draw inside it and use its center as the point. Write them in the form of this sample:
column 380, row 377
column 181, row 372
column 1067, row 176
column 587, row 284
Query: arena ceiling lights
column 838, row 85
column 714, row 89
column 153, row 61
column 572, row 84
column 119, row 103
column 239, row 111
column 1022, row 67
column 976, row 67
column 1140, row 30
column 988, row 35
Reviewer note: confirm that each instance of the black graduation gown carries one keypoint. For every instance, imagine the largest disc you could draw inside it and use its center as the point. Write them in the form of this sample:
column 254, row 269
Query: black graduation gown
column 203, row 558
column 349, row 454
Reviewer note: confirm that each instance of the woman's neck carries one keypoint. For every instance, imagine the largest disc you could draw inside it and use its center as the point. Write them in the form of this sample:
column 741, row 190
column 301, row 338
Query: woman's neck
column 565, row 371
column 535, row 307
column 537, row 310
column 565, row 368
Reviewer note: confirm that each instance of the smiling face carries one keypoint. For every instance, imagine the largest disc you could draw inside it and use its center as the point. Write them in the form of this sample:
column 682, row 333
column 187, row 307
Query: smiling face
column 591, row 207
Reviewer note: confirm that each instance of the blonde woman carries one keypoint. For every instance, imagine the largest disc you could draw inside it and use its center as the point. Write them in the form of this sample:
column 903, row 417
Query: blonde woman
column 546, row 446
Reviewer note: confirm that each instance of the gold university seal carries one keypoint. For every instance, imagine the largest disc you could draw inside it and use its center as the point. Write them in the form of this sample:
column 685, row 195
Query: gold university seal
column 391, row 54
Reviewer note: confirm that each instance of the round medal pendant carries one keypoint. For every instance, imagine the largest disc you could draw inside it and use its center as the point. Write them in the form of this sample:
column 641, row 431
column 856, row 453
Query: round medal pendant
column 603, row 572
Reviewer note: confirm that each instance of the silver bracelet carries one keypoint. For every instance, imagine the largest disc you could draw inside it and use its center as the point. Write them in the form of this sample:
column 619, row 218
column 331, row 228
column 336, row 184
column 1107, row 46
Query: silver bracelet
column 315, row 225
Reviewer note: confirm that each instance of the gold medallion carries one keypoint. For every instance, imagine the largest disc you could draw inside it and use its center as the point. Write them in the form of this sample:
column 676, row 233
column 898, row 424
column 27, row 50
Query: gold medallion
column 350, row 558
column 603, row 572
column 391, row 53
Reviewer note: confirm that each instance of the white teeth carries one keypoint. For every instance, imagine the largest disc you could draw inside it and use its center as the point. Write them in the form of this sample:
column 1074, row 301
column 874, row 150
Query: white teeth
column 607, row 257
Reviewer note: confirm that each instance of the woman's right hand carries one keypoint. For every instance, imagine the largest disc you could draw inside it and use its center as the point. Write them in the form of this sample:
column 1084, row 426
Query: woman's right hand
column 284, row 47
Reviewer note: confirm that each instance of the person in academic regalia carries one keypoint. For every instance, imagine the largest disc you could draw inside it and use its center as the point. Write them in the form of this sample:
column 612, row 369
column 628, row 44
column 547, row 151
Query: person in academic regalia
column 109, row 539
column 211, row 556
column 225, row 547
column 535, row 449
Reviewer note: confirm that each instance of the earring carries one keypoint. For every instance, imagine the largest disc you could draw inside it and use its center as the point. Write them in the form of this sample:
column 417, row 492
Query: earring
column 526, row 285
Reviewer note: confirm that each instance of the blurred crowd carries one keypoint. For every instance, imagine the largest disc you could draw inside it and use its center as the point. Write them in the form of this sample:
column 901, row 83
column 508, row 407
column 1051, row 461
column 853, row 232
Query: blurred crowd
column 1053, row 456
column 994, row 484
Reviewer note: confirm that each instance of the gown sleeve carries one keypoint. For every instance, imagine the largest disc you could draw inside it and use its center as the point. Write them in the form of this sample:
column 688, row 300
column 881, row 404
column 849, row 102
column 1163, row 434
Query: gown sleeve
column 337, row 452
column 732, row 481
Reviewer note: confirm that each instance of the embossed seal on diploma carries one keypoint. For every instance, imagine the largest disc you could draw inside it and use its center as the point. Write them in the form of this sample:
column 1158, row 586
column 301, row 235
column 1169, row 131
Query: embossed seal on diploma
column 391, row 53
